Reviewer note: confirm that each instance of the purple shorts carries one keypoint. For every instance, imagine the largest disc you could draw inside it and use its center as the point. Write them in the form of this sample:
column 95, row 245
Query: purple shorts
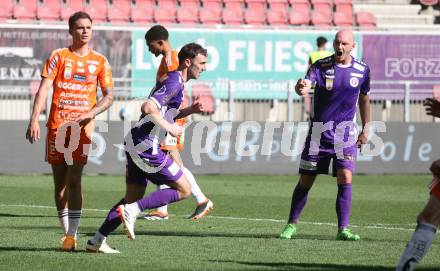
column 317, row 162
column 160, row 169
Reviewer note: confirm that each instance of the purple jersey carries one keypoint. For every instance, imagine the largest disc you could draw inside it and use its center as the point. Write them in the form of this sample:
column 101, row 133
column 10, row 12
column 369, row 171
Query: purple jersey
column 337, row 89
column 167, row 95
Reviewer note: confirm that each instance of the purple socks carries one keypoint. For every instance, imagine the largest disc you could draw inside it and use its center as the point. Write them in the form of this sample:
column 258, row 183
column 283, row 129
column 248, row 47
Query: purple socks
column 343, row 204
column 299, row 199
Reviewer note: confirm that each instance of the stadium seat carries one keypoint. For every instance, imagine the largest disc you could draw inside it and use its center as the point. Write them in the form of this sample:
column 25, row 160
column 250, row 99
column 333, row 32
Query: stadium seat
column 281, row 6
column 322, row 6
column 97, row 9
column 187, row 15
column 119, row 11
column 258, row 7
column 366, row 20
column 209, row 17
column 254, row 17
column 25, row 10
column 342, row 19
column 293, row 2
column 232, row 16
column 301, row 7
column 142, row 12
column 321, row 20
column 70, row 7
column 214, row 7
column 49, row 10
column 190, row 4
column 204, row 92
column 276, row 17
column 165, row 12
column 299, row 18
column 6, row 9
column 344, row 6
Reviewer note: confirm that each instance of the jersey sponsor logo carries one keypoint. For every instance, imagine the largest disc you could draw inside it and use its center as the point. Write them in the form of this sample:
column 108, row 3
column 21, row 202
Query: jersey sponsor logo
column 360, row 75
column 79, row 78
column 67, row 72
column 91, row 78
column 93, row 62
column 80, row 70
column 359, row 67
column 74, row 95
column 91, row 68
column 354, row 82
column 73, row 86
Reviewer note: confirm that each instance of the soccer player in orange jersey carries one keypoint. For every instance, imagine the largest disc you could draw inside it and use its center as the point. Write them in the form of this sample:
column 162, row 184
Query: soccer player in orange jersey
column 74, row 73
column 158, row 44
column 429, row 218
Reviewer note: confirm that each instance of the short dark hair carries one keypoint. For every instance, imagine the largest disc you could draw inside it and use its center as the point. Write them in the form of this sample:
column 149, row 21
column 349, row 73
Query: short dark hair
column 76, row 16
column 320, row 41
column 191, row 50
column 156, row 32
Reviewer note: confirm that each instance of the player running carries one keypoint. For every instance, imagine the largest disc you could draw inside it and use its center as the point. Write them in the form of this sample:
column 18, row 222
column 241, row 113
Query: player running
column 158, row 44
column 146, row 161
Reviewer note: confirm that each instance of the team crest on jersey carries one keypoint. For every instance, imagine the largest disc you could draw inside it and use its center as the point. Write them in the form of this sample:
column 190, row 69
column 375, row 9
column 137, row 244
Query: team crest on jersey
column 67, row 72
column 92, row 68
column 354, row 82
column 91, row 78
column 69, row 64
column 161, row 90
column 330, row 72
column 329, row 81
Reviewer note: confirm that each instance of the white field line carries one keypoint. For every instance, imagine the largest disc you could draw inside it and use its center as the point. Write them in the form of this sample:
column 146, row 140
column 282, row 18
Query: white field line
column 391, row 227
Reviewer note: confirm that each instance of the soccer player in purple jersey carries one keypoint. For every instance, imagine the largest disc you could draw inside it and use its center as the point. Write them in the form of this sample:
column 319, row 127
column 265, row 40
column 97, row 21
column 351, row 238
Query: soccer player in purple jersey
column 145, row 159
column 340, row 82
column 429, row 218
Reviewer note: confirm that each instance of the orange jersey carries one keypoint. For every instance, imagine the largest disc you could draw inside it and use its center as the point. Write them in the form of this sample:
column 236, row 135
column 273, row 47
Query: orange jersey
column 169, row 63
column 75, row 79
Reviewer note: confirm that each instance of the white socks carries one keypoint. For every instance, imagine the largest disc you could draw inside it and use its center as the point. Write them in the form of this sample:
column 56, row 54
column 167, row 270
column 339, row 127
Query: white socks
column 98, row 238
column 74, row 218
column 195, row 189
column 133, row 208
column 417, row 247
column 63, row 216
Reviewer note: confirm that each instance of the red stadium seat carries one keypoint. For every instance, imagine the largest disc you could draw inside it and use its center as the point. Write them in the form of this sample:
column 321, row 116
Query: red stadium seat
column 142, row 12
column 322, row 6
column 301, row 7
column 299, row 18
column 49, row 10
column 119, row 11
column 215, row 7
column 366, row 20
column 232, row 16
column 165, row 12
column 281, row 6
column 25, row 10
column 270, row 2
column 254, row 17
column 97, row 9
column 6, row 9
column 70, row 7
column 342, row 19
column 345, row 6
column 187, row 15
column 190, row 4
column 292, row 2
column 258, row 7
column 321, row 20
column 208, row 16
column 276, row 17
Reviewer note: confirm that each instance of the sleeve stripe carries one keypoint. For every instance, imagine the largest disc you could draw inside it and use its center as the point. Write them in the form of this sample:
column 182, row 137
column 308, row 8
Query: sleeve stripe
column 156, row 102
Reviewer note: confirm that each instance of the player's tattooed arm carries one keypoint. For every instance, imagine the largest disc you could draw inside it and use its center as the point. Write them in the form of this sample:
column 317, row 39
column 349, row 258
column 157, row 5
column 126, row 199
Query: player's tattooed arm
column 33, row 130
column 100, row 107
column 196, row 107
column 364, row 109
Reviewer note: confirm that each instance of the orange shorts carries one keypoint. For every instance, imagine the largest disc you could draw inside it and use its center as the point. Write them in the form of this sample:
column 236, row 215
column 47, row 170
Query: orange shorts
column 70, row 149
column 435, row 187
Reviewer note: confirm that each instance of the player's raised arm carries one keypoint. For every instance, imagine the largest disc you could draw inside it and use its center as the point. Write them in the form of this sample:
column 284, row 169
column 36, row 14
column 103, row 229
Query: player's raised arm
column 303, row 86
column 150, row 108
column 33, row 130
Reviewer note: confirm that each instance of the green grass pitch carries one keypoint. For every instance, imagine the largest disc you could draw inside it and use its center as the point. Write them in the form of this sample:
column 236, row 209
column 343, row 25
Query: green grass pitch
column 241, row 233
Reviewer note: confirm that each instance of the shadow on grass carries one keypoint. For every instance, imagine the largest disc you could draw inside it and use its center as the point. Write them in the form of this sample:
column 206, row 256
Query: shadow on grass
column 24, row 215
column 31, row 249
column 317, row 266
